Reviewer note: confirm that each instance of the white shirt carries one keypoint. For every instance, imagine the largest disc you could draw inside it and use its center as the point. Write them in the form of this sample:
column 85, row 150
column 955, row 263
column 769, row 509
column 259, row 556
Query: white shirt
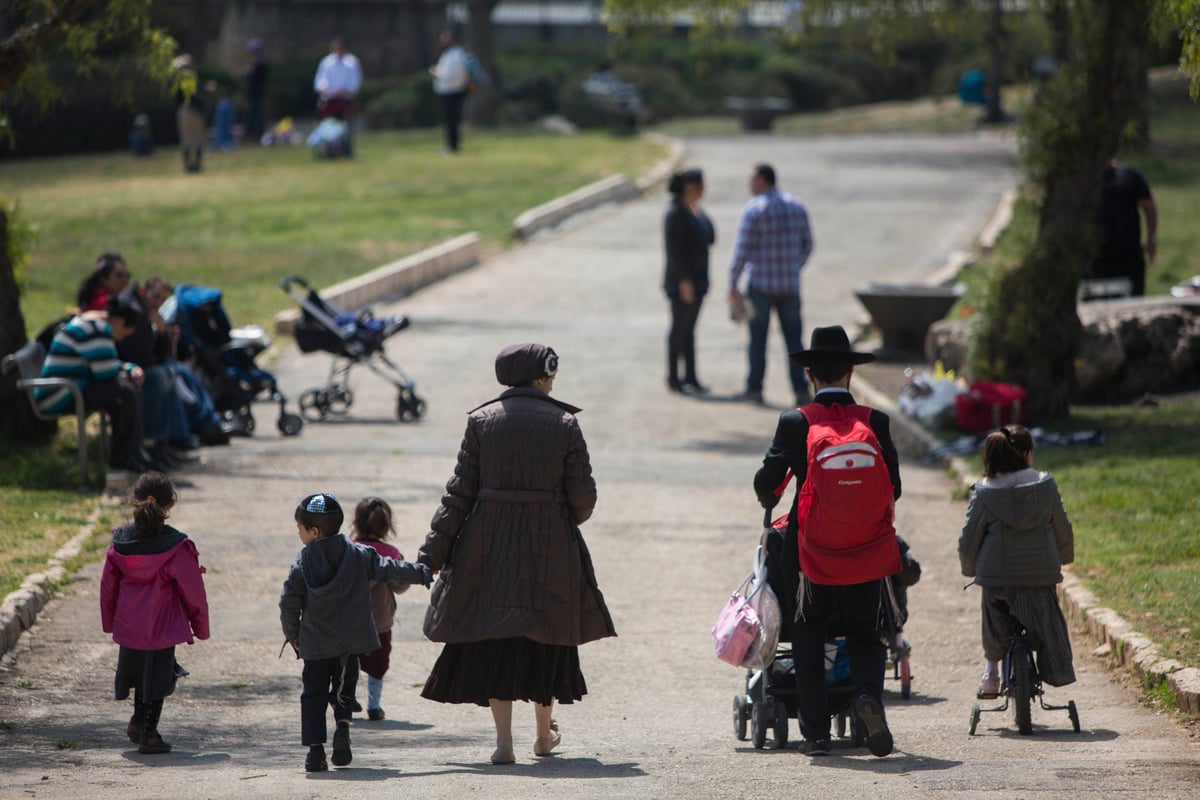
column 451, row 74
column 338, row 76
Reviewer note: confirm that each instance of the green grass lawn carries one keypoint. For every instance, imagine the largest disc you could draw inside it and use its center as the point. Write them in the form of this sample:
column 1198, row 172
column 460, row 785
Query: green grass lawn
column 257, row 214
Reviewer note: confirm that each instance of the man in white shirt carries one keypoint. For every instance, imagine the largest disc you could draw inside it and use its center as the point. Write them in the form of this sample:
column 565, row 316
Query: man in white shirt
column 451, row 78
column 339, row 77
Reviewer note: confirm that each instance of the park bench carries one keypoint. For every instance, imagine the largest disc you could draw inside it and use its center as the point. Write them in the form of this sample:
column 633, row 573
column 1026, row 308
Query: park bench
column 27, row 364
column 619, row 101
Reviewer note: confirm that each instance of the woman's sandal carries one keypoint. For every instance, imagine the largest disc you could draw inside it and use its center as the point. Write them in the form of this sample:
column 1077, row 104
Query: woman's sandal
column 544, row 745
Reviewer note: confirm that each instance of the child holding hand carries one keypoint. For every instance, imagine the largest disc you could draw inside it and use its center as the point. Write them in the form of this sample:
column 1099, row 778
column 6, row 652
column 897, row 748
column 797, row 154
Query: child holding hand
column 325, row 610
column 372, row 525
column 151, row 599
column 1014, row 542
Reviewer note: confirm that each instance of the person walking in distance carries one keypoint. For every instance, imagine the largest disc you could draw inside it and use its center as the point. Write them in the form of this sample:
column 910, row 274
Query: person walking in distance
column 451, row 77
column 840, row 534
column 338, row 79
column 774, row 241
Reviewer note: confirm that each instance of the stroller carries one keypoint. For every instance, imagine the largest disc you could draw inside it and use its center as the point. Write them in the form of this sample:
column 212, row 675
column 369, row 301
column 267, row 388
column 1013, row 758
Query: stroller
column 769, row 698
column 223, row 357
column 352, row 339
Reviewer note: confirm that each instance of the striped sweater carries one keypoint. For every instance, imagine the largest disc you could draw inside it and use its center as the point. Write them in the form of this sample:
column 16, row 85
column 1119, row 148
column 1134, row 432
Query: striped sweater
column 83, row 350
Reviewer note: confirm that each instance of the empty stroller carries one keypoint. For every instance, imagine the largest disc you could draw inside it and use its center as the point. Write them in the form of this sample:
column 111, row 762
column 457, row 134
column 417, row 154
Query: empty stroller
column 351, row 339
column 223, row 356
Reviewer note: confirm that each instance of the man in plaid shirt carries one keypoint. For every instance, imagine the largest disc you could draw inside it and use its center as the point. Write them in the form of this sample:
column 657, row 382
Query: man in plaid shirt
column 774, row 241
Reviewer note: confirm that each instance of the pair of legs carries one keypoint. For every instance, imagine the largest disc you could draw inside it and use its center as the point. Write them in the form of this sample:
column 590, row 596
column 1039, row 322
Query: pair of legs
column 164, row 417
column 375, row 664
column 681, row 343
column 856, row 608
column 453, row 106
column 1036, row 609
column 327, row 682
column 787, row 310
column 122, row 402
column 151, row 674
column 547, row 739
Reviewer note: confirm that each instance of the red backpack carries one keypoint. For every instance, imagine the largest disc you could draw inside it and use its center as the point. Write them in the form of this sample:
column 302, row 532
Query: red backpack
column 845, row 510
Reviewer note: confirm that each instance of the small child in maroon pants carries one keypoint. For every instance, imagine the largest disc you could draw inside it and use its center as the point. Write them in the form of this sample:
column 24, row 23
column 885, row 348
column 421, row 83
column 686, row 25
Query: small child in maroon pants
column 372, row 525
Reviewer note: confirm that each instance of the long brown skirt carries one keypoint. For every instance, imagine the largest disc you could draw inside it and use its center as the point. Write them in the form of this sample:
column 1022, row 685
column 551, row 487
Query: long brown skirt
column 506, row 669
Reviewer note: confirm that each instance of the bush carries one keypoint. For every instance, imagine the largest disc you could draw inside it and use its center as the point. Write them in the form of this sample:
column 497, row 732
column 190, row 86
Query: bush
column 530, row 86
column 411, row 104
column 812, row 87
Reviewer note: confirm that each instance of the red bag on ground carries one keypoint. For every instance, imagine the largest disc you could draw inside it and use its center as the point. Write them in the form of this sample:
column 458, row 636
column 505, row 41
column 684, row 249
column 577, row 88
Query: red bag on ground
column 987, row 405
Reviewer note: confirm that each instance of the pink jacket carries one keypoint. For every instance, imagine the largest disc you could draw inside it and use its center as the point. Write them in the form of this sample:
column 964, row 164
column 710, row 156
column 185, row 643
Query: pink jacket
column 153, row 601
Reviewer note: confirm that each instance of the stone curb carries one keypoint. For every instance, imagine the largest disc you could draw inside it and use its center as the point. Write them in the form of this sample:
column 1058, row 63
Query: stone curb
column 614, row 189
column 21, row 607
column 1114, row 635
column 397, row 278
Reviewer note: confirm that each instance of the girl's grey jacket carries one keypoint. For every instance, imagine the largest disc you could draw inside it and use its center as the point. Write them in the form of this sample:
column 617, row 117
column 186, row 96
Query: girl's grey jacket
column 326, row 599
column 1017, row 532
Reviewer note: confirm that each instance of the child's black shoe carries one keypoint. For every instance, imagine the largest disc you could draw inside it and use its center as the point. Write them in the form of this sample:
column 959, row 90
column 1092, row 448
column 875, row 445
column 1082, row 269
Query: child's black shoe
column 315, row 761
column 341, row 745
column 375, row 714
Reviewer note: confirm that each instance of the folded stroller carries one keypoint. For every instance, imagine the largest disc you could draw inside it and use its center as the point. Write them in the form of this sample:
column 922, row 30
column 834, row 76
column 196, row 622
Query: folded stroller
column 223, row 357
column 351, row 339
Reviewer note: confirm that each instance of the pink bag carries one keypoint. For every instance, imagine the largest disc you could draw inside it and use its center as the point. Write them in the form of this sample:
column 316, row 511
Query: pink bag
column 737, row 628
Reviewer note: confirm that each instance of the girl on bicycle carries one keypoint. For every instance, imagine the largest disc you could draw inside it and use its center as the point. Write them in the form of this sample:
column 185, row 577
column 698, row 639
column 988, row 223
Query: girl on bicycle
column 1014, row 542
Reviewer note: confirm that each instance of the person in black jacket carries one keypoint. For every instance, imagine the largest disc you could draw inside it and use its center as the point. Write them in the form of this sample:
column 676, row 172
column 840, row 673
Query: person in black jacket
column 853, row 597
column 688, row 234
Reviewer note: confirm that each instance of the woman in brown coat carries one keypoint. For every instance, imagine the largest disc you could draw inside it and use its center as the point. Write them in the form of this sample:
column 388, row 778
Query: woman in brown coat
column 516, row 594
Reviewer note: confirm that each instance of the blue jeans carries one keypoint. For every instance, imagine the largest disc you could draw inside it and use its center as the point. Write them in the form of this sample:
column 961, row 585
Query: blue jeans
column 163, row 416
column 787, row 309
column 202, row 415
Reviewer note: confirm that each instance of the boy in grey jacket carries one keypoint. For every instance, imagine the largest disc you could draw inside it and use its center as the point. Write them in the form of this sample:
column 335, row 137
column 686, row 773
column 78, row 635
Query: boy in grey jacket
column 325, row 609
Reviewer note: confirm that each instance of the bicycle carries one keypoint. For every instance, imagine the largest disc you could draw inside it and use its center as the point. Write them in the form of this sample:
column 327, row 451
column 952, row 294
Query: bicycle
column 1021, row 684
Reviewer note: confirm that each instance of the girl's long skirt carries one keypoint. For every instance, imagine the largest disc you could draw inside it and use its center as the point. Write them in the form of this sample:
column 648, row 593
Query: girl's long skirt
column 1036, row 607
column 149, row 673
column 506, row 669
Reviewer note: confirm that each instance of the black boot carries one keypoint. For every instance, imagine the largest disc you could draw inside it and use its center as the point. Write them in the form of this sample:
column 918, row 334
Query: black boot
column 151, row 741
column 134, row 729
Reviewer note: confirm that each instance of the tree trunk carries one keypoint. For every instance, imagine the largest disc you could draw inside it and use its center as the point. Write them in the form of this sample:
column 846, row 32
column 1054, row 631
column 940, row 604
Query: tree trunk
column 17, row 422
column 996, row 35
column 480, row 41
column 1032, row 332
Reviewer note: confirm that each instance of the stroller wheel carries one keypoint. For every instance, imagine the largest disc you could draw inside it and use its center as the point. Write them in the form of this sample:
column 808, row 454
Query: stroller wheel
column 780, row 729
column 409, row 407
column 340, row 398
column 739, row 717
column 975, row 711
column 758, row 727
column 290, row 424
column 314, row 405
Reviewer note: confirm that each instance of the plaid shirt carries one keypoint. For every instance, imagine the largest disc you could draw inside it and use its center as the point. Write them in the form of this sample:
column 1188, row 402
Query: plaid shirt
column 773, row 242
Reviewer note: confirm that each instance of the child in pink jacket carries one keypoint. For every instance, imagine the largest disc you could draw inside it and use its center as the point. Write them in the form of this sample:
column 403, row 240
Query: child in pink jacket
column 151, row 599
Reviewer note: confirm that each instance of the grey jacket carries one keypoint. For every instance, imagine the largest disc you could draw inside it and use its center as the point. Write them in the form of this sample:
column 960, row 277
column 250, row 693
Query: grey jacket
column 1017, row 532
column 326, row 599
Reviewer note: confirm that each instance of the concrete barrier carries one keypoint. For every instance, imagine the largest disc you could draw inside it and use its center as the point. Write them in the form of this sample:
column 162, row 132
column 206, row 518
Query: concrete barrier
column 397, row 278
column 613, row 189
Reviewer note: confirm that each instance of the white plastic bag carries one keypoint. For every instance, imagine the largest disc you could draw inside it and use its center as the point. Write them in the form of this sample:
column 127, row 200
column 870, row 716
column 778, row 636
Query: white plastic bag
column 762, row 599
column 931, row 397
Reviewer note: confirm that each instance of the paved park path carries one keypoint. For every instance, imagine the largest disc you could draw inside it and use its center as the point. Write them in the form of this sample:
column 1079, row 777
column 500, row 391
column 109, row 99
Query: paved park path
column 673, row 533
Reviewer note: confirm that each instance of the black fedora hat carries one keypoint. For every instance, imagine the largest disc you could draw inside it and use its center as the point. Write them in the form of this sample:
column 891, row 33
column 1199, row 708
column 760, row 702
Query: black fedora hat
column 830, row 344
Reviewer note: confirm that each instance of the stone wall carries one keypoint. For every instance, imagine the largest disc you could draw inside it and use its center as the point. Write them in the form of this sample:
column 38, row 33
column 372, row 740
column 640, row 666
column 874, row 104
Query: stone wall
column 1130, row 346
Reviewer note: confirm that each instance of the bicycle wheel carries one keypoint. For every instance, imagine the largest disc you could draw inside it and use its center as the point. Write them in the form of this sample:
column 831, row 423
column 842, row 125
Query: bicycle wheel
column 1022, row 688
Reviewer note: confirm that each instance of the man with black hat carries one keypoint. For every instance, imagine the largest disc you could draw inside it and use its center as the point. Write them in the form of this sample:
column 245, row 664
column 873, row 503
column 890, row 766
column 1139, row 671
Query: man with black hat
column 839, row 533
